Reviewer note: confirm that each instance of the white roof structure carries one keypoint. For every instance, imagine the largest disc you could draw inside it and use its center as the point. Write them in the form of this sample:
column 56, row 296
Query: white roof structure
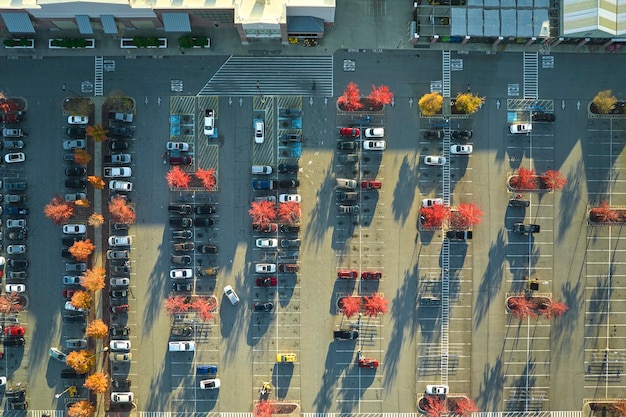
column 593, row 18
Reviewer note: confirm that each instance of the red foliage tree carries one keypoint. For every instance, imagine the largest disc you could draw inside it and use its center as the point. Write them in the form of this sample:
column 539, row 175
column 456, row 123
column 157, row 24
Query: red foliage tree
column 524, row 180
column 435, row 215
column 10, row 303
column 264, row 408
column 620, row 407
column 262, row 212
column 58, row 210
column 603, row 213
column 207, row 176
column 375, row 305
column 554, row 309
column 204, row 306
column 381, row 95
column 350, row 100
column 522, row 307
column 554, row 180
column 176, row 304
column 121, row 211
column 465, row 407
column 468, row 215
column 435, row 406
column 178, row 178
column 350, row 306
column 289, row 212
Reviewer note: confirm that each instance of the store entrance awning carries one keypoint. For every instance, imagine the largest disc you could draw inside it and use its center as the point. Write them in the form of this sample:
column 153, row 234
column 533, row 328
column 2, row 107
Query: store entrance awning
column 305, row 24
column 18, row 22
column 108, row 24
column 176, row 22
column 84, row 25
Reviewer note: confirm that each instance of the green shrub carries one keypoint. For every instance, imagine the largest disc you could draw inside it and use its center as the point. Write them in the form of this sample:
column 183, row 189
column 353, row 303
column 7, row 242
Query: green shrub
column 186, row 41
column 201, row 41
column 70, row 43
column 12, row 42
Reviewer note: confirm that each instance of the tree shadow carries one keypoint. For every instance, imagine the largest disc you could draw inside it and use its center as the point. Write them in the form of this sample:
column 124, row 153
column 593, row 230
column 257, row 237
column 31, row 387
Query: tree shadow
column 490, row 398
column 491, row 282
column 404, row 192
column 159, row 288
column 321, row 213
column 569, row 197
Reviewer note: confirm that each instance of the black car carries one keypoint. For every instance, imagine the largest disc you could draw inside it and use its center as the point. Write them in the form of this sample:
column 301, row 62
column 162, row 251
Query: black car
column 75, row 183
column 118, row 145
column 122, row 132
column 288, row 168
column 14, row 341
column 181, row 287
column 263, row 306
column 433, row 134
column 121, row 269
column 118, row 293
column 543, row 117
column 180, row 259
column 184, row 222
column 76, row 132
column 182, row 331
column 182, row 234
column 459, row 234
column 348, row 145
column 287, row 228
column 121, row 383
column 180, row 208
column 16, row 186
column 21, row 405
column 206, row 209
column 16, row 394
column 207, row 249
column 462, row 134
column 21, row 235
column 18, row 263
column 184, row 246
column 74, row 318
column 204, row 222
column 288, row 184
column 514, row 202
column 119, row 331
column 75, row 172
column 346, row 334
column 68, row 240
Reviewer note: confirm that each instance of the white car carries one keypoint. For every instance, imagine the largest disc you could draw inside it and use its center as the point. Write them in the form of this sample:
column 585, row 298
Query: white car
column 375, row 132
column 75, row 196
column 434, row 160
column 210, row 383
column 266, row 243
column 57, row 354
column 461, row 149
column 74, row 229
column 116, row 185
column 70, row 307
column 177, row 146
column 429, row 202
column 76, row 343
column 16, row 223
column 374, row 145
column 122, row 397
column 119, row 345
column 14, row 157
column 71, row 280
column 209, row 122
column 77, row 120
column 259, row 131
column 289, row 198
column 120, row 282
column 15, row 288
column 16, row 249
column 265, row 268
column 74, row 144
column 231, row 294
column 521, row 128
column 261, row 170
column 120, row 241
column 437, row 389
column 181, row 273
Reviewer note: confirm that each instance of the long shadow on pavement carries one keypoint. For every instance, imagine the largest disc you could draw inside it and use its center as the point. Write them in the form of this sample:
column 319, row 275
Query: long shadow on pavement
column 491, row 283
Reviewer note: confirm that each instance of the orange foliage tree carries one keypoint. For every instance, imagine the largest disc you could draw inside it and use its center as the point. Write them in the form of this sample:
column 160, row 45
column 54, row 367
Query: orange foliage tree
column 97, row 382
column 97, row 329
column 204, row 306
column 81, row 409
column 207, row 176
column 178, row 178
column 264, row 408
column 58, row 210
column 81, row 157
column 81, row 299
column 350, row 100
column 435, row 406
column 620, row 407
column 603, row 213
column 524, row 180
column 80, row 360
column 381, row 95
column 434, row 216
column 289, row 212
column 522, row 307
column 93, row 279
column 175, row 304
column 97, row 133
column 468, row 215
column 84, row 203
column 262, row 212
column 375, row 305
column 9, row 303
column 554, row 309
column 554, row 180
column 96, row 181
column 465, row 407
column 121, row 211
column 81, row 249
column 96, row 220
column 350, row 306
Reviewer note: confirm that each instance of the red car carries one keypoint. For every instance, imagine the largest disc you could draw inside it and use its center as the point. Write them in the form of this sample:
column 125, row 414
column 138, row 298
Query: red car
column 347, row 274
column 68, row 293
column 14, row 331
column 119, row 309
column 180, row 160
column 267, row 228
column 351, row 132
column 288, row 268
column 368, row 363
column 267, row 282
column 371, row 275
column 371, row 185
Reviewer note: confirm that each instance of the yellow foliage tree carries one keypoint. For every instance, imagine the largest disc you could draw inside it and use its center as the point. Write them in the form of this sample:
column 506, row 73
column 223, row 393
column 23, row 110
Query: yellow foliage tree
column 82, row 203
column 93, row 279
column 604, row 101
column 431, row 103
column 97, row 182
column 97, row 133
column 468, row 102
column 96, row 220
column 81, row 156
column 81, row 299
column 80, row 360
column 97, row 329
column 81, row 409
column 82, row 249
column 98, row 383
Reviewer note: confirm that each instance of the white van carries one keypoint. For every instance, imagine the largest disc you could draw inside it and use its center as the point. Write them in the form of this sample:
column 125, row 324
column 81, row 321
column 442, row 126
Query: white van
column 188, row 346
column 261, row 170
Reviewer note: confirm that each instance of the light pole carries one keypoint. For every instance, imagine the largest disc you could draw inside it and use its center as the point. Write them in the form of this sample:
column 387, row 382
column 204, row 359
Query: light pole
column 72, row 390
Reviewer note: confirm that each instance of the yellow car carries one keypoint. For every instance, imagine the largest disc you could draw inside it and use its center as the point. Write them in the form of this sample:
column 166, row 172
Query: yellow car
column 286, row 357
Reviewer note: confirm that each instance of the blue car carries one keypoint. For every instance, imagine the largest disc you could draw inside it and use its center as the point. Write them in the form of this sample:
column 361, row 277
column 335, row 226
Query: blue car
column 206, row 370
column 263, row 184
column 12, row 210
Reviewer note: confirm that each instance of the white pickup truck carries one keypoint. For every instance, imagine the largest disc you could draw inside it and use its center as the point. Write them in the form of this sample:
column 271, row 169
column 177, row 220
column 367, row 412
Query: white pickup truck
column 209, row 122
column 115, row 172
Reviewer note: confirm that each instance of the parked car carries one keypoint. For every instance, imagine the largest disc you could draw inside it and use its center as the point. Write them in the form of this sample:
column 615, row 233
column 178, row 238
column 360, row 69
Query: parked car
column 184, row 247
column 118, row 145
column 14, row 331
column 76, row 132
column 264, row 268
column 14, row 157
column 345, row 334
column 13, row 133
column 344, row 209
column 75, row 196
column 70, row 307
column 288, row 168
column 261, row 170
column 370, row 275
column 182, row 234
column 75, row 343
column 119, row 331
column 270, row 198
column 230, row 293
column 285, row 357
column 57, row 354
column 209, row 122
column 288, row 228
column 290, row 243
column 180, row 259
column 205, row 209
column 263, row 307
column 74, row 229
column 15, row 198
column 375, row 132
column 461, row 134
column 289, row 198
column 374, row 145
column 77, row 120
column 288, row 268
column 348, row 145
column 210, row 383
column 291, row 113
column 177, row 146
column 15, row 211
column 71, row 280
column 347, row 197
column 461, row 149
column 116, row 241
column 77, row 267
column 429, row 202
column 119, row 282
column 434, row 160
column 18, row 341
column 347, row 274
column 207, row 249
column 16, row 186
column 15, row 223
column 526, row 228
column 17, row 263
column 117, row 294
column 263, row 185
column 204, row 222
column 350, row 132
column 288, row 184
column 459, row 234
column 121, row 383
column 259, row 131
column 266, row 282
column 123, row 308
column 180, row 160
column 120, row 357
column 75, row 172
column 371, row 185
column 120, row 345
column 121, row 117
column 265, row 228
column 437, row 389
column 181, row 273
column 123, row 186
column 515, row 202
column 541, row 116
column 75, row 183
column 182, row 287
column 17, row 275
column 521, row 128
column 350, row 158
column 433, row 134
column 180, row 208
column 13, row 144
column 121, row 132
column 74, row 144
column 182, row 331
column 117, row 254
column 266, row 243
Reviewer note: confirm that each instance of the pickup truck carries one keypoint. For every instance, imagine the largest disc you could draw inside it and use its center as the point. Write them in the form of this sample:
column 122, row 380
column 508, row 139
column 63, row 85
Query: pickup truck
column 209, row 122
column 120, row 158
column 122, row 117
column 526, row 228
column 114, row 172
column 263, row 184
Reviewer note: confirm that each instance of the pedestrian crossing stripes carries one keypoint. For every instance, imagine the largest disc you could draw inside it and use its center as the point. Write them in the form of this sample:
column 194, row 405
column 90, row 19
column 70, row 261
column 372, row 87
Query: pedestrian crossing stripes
column 529, row 414
column 531, row 75
column 273, row 76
